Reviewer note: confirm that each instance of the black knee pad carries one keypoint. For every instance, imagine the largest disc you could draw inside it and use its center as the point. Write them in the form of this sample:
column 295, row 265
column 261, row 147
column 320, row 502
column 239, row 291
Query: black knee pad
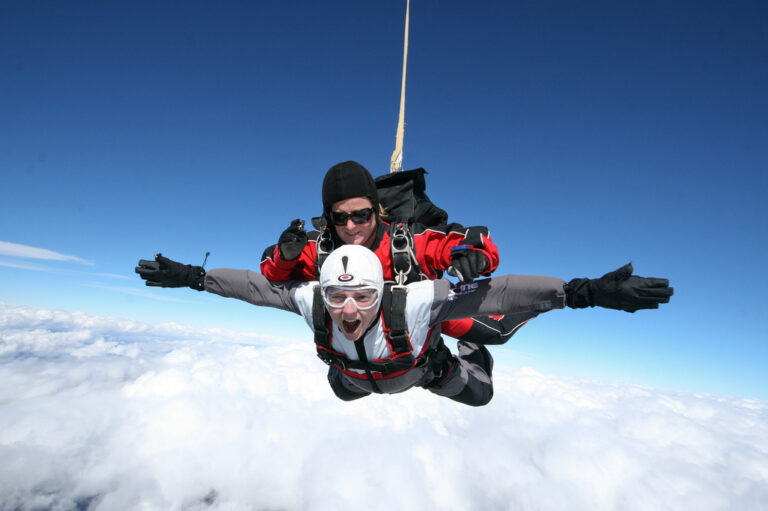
column 478, row 396
column 479, row 356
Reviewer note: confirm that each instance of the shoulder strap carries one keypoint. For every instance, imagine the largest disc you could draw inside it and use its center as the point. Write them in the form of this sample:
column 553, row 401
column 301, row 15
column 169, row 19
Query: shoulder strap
column 320, row 322
column 324, row 245
column 393, row 316
column 405, row 266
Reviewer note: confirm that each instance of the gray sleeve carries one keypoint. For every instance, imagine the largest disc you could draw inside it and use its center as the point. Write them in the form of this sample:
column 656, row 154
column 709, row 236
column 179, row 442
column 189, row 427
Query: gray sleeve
column 505, row 294
column 253, row 288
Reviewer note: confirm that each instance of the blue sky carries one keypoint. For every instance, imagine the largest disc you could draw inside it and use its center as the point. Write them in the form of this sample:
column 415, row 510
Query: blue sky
column 584, row 135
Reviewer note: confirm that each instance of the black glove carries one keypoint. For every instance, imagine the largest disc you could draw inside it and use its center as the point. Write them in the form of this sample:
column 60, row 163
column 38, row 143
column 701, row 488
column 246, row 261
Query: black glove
column 467, row 263
column 292, row 241
column 618, row 290
column 162, row 272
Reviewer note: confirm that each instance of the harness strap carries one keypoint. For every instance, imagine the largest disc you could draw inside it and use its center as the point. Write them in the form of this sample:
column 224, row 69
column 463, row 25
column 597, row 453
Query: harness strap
column 324, row 246
column 404, row 263
column 360, row 348
column 320, row 321
column 393, row 314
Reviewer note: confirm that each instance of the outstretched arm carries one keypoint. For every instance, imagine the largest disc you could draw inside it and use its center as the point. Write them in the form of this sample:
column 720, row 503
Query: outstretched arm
column 253, row 288
column 509, row 294
column 505, row 294
column 243, row 285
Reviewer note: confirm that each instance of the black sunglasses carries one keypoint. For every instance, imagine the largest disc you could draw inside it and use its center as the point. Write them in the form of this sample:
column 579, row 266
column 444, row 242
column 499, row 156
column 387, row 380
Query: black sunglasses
column 360, row 216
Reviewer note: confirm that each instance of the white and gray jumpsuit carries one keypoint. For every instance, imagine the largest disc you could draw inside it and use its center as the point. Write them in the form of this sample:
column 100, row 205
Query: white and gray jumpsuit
column 428, row 303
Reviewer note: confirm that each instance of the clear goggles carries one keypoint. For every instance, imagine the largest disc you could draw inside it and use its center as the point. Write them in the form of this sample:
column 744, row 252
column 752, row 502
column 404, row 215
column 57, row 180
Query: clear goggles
column 363, row 297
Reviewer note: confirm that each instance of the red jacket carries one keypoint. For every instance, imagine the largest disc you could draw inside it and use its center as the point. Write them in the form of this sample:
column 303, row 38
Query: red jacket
column 432, row 245
column 433, row 251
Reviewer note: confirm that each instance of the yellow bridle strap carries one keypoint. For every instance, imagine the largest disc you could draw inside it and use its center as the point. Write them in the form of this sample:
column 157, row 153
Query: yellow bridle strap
column 396, row 162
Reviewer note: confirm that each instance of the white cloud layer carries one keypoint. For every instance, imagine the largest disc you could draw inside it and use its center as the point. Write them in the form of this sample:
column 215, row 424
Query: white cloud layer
column 104, row 413
column 25, row 251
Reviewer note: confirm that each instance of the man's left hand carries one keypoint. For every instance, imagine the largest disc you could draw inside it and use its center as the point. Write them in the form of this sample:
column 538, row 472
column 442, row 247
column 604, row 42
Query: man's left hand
column 467, row 263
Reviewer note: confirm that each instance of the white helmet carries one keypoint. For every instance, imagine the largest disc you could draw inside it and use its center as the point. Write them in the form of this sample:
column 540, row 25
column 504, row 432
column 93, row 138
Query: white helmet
column 352, row 266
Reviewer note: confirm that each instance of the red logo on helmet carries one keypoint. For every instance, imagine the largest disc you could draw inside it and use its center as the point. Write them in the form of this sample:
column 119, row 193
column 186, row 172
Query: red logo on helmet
column 345, row 277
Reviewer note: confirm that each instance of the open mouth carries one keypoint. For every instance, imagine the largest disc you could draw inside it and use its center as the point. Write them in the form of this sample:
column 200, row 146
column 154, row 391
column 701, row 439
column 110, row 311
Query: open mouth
column 350, row 326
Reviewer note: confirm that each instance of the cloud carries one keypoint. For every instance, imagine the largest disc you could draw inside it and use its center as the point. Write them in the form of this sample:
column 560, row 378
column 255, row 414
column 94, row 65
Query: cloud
column 25, row 266
column 108, row 413
column 113, row 276
column 142, row 292
column 27, row 252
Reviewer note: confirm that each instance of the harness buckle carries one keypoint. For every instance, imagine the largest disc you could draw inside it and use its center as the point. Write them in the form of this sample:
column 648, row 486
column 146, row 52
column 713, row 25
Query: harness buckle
column 402, row 253
column 330, row 360
column 325, row 243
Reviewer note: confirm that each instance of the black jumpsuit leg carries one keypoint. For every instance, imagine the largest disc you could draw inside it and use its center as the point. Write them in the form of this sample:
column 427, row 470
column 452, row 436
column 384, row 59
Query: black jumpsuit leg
column 468, row 378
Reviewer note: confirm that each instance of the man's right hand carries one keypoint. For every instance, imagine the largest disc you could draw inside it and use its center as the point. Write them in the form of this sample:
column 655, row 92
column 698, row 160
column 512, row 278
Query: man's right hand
column 292, row 241
column 164, row 272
